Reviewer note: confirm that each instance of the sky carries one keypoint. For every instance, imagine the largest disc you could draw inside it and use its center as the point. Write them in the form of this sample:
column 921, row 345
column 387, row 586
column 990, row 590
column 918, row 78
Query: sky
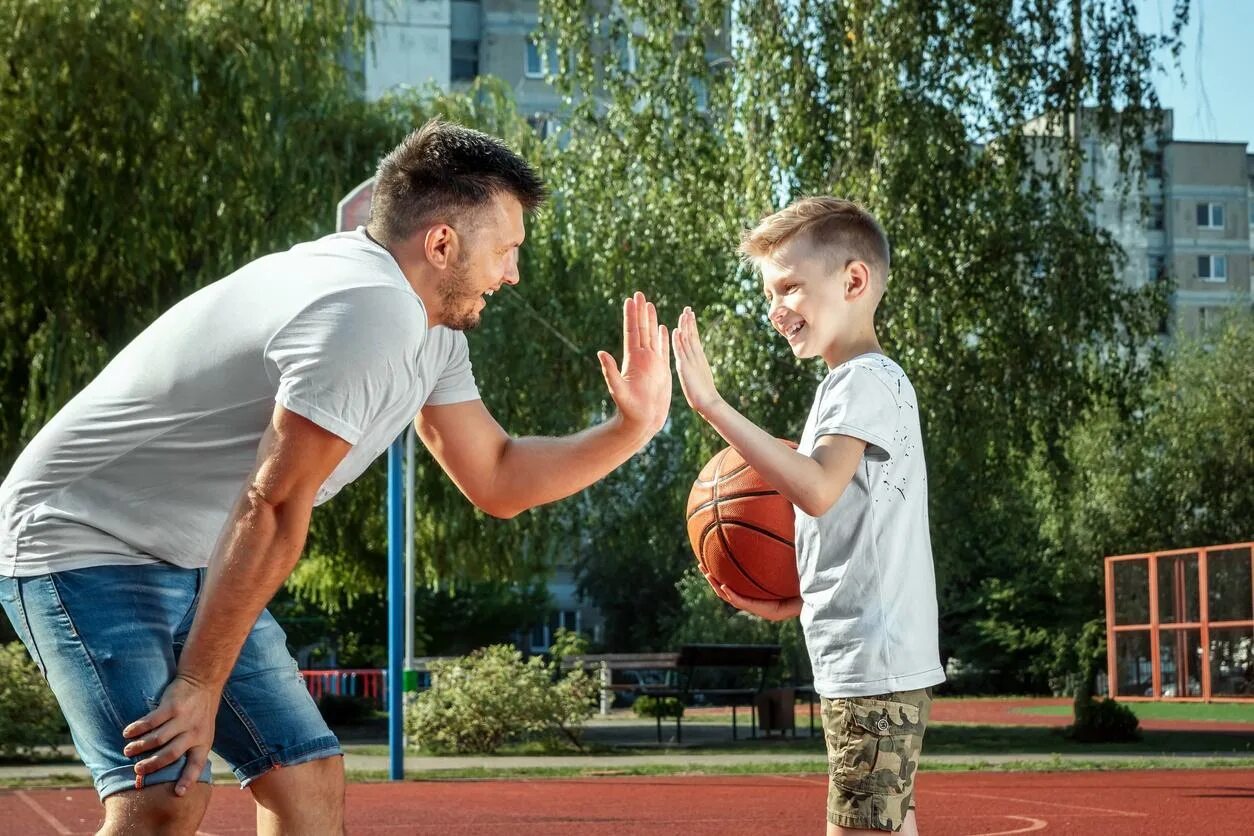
column 1215, row 98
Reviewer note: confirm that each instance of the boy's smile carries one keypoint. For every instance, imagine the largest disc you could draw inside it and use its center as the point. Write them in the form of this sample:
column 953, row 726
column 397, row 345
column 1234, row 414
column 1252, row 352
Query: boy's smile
column 820, row 309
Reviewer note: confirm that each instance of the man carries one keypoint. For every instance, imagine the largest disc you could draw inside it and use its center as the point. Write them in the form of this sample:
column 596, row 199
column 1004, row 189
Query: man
column 145, row 528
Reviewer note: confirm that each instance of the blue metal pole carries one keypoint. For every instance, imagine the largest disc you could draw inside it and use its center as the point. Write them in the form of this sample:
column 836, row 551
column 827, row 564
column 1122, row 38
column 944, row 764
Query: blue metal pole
column 396, row 613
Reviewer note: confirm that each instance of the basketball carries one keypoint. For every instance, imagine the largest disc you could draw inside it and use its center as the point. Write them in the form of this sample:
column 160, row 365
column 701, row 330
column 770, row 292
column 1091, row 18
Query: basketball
column 741, row 529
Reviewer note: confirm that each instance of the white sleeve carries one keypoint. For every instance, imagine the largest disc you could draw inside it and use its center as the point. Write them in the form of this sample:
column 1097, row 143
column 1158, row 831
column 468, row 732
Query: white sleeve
column 855, row 402
column 457, row 379
column 343, row 360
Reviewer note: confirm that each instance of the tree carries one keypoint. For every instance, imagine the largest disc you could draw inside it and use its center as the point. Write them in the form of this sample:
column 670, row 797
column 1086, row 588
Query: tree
column 153, row 147
column 948, row 120
column 1174, row 473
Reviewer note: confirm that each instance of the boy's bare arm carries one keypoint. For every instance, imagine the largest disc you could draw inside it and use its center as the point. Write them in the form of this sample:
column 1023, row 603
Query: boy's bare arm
column 812, row 483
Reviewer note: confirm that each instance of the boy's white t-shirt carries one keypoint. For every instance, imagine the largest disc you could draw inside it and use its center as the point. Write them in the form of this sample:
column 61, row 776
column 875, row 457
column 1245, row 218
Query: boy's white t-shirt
column 147, row 461
column 867, row 583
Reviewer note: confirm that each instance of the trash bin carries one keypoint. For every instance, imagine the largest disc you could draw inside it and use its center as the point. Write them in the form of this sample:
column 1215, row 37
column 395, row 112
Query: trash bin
column 776, row 710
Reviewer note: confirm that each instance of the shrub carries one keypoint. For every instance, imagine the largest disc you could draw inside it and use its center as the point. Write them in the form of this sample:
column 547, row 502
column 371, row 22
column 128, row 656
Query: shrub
column 29, row 715
column 1104, row 721
column 479, row 702
column 339, row 710
column 647, row 706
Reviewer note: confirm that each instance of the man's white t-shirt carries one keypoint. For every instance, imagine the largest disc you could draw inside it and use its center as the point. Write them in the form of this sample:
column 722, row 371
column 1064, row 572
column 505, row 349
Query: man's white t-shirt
column 867, row 583
column 147, row 461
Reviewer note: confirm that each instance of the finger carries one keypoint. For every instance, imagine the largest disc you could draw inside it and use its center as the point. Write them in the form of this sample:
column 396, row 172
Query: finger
column 158, row 737
column 196, row 760
column 630, row 325
column 649, row 329
column 164, row 756
column 715, row 586
column 149, row 721
column 609, row 369
column 664, row 345
column 642, row 318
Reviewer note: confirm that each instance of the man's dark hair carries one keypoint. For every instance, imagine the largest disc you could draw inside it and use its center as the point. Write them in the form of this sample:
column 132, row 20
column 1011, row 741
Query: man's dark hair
column 440, row 172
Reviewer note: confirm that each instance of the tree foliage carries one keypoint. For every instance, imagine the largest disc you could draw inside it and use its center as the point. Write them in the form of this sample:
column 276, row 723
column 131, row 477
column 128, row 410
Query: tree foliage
column 948, row 120
column 154, row 146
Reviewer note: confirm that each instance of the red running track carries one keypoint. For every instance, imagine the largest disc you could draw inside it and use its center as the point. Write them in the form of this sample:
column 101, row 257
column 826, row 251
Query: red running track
column 1150, row 803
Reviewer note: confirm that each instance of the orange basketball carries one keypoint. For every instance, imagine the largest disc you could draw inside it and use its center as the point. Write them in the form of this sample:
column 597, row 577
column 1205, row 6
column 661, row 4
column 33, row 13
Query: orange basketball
column 741, row 529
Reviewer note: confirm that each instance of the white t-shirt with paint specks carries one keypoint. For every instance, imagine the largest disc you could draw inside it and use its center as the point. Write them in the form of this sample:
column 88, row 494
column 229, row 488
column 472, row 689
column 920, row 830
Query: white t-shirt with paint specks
column 867, row 582
column 147, row 461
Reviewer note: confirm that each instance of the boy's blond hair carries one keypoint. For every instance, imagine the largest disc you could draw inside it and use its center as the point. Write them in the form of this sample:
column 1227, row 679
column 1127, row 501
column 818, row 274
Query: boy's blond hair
column 841, row 227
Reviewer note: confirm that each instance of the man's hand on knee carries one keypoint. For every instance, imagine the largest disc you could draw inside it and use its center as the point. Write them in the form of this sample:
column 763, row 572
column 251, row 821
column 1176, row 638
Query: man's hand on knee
column 182, row 724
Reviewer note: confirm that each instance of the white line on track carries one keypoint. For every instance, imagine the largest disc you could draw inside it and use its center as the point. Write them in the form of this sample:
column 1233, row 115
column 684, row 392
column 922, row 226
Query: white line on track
column 1045, row 803
column 43, row 814
column 1033, row 825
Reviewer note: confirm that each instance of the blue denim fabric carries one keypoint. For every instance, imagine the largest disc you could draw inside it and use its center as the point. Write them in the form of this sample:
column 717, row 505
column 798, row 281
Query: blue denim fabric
column 108, row 640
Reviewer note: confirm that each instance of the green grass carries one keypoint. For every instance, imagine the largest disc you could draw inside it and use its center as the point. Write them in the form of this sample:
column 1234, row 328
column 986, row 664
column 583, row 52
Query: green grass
column 1214, row 712
column 815, row 767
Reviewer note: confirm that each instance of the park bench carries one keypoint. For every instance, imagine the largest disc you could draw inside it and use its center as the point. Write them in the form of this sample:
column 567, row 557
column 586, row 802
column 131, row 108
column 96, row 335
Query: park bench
column 695, row 659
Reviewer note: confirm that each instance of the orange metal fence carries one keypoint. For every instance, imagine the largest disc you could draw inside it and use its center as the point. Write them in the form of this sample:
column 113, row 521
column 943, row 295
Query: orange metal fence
column 1180, row 624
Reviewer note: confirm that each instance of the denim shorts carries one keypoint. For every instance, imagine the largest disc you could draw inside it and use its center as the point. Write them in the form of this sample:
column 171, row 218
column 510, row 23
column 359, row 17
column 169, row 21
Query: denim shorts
column 108, row 639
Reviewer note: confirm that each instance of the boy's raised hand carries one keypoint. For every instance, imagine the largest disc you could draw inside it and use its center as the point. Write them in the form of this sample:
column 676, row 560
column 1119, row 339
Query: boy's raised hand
column 695, row 377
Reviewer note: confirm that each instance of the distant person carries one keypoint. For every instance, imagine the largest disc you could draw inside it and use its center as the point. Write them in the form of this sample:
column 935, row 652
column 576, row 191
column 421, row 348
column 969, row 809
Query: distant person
column 145, row 528
column 859, row 486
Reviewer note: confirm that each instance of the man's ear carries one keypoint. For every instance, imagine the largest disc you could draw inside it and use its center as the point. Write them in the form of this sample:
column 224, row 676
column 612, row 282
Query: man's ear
column 440, row 246
column 857, row 279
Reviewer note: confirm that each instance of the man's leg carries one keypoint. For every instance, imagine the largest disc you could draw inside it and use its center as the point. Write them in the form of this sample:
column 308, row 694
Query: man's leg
column 270, row 731
column 304, row 799
column 156, row 810
column 103, row 638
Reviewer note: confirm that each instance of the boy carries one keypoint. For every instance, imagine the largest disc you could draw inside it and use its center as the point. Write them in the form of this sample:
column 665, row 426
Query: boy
column 859, row 485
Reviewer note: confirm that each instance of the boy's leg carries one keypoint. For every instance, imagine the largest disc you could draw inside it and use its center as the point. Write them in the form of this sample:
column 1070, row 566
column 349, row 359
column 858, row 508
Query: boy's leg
column 103, row 639
column 873, row 747
column 270, row 730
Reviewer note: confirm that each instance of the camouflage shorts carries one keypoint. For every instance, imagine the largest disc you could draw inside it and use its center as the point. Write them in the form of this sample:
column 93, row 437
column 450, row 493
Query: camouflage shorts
column 873, row 746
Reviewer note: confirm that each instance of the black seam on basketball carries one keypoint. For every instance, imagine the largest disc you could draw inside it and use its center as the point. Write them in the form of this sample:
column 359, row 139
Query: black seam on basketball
column 726, row 550
column 729, row 497
column 704, row 483
column 790, row 544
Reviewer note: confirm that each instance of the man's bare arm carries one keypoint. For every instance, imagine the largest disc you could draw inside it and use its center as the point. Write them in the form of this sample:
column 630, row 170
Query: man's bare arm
column 258, row 549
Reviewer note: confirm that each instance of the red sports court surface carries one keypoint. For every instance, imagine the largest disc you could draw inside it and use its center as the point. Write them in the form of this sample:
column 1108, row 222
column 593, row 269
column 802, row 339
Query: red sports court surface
column 1151, row 803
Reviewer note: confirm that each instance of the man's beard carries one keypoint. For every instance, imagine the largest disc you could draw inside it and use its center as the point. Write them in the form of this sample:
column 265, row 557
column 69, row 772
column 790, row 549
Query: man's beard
column 458, row 301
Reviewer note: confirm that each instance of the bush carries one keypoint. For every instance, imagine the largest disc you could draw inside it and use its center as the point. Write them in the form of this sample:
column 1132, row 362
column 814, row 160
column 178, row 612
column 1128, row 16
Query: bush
column 1104, row 721
column 29, row 715
column 479, row 702
column 647, row 706
column 339, row 710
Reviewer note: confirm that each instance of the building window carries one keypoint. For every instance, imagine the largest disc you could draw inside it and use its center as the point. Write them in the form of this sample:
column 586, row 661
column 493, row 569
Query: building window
column 1210, row 215
column 1212, row 268
column 1157, row 268
column 464, row 57
column 1155, row 214
column 540, row 63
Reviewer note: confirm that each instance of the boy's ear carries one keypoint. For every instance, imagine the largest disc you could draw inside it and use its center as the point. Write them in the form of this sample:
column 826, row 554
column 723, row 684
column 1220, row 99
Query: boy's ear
column 857, row 279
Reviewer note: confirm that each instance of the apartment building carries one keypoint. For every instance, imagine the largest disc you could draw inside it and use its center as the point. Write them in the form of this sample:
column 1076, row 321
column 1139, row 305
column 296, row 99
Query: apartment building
column 450, row 42
column 1199, row 229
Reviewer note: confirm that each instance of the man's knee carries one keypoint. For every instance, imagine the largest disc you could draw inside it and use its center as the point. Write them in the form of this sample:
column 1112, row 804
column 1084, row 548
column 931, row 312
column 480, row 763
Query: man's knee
column 156, row 810
column 312, row 788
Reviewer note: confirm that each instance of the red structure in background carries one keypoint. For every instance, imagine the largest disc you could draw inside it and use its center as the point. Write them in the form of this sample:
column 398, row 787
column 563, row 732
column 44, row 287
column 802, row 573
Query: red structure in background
column 367, row 683
column 1180, row 624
